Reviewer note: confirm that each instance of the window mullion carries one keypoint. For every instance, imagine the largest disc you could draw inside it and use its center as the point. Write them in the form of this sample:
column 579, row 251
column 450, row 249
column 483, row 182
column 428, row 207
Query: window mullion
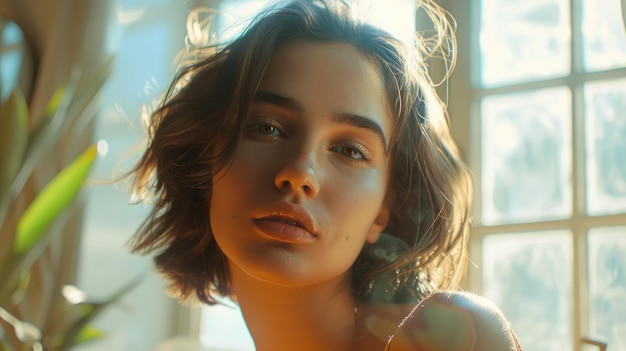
column 465, row 115
column 572, row 80
column 576, row 35
column 579, row 280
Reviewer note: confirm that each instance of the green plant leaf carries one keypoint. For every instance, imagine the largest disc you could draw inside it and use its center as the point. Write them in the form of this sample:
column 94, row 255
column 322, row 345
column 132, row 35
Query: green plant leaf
column 86, row 95
column 52, row 200
column 88, row 333
column 5, row 346
column 46, row 134
column 87, row 311
column 20, row 290
column 55, row 101
column 13, row 143
column 65, row 108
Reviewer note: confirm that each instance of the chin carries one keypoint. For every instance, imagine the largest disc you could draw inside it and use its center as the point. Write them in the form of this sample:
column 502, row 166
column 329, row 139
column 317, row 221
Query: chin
column 286, row 268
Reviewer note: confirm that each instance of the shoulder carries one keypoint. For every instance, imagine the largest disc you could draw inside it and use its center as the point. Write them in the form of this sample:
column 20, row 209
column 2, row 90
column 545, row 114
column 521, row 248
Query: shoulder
column 455, row 321
column 493, row 330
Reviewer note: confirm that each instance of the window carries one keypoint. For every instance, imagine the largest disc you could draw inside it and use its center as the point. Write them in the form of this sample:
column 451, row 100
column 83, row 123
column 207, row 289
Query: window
column 544, row 82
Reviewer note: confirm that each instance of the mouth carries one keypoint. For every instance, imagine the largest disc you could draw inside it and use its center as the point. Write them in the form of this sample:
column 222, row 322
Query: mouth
column 286, row 222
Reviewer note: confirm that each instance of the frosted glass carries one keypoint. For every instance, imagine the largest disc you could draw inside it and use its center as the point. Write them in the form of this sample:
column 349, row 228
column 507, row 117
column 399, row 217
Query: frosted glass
column 604, row 38
column 526, row 156
column 522, row 41
column 605, row 128
column 607, row 285
column 529, row 276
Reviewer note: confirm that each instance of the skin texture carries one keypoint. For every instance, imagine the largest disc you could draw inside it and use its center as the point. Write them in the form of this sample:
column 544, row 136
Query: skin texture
column 335, row 170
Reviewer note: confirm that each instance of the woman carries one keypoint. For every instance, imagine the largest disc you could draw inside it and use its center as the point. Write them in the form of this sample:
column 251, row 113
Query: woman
column 307, row 171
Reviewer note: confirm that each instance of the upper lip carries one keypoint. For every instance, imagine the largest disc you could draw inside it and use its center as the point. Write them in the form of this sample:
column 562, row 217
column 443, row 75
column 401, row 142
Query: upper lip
column 285, row 212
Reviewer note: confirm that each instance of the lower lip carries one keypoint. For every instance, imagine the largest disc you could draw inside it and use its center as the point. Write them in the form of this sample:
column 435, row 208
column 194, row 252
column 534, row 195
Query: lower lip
column 284, row 232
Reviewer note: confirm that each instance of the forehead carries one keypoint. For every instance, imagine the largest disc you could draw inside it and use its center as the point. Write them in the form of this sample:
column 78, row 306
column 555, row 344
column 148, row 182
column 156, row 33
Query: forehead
column 329, row 77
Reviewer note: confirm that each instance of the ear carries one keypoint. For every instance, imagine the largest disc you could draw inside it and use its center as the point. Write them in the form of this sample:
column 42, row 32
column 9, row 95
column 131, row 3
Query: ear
column 380, row 222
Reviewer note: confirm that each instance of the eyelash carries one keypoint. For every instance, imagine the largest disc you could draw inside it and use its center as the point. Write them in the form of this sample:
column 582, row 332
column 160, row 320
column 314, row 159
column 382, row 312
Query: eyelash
column 361, row 151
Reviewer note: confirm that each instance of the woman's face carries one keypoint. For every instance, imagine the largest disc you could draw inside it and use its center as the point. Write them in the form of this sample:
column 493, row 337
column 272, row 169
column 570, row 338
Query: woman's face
column 307, row 184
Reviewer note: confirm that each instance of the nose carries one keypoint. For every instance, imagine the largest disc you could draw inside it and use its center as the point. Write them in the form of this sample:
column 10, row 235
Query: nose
column 298, row 174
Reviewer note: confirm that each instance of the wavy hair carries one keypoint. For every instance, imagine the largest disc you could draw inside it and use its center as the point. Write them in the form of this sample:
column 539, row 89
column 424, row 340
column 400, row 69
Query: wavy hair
column 193, row 133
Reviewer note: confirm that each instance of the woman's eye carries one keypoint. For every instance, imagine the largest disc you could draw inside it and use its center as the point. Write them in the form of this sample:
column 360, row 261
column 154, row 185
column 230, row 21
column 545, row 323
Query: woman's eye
column 267, row 129
column 355, row 152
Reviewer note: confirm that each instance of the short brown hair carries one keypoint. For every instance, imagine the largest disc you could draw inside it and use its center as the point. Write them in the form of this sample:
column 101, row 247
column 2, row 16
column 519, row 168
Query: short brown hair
column 194, row 132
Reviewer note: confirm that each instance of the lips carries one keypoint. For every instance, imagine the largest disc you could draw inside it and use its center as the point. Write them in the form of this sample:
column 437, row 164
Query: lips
column 286, row 222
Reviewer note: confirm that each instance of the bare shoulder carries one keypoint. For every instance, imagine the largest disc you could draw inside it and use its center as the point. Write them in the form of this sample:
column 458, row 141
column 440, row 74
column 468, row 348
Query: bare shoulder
column 454, row 321
column 493, row 330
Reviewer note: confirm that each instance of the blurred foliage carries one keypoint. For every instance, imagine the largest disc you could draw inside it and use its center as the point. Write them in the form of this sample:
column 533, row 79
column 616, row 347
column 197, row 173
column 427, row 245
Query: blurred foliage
column 30, row 231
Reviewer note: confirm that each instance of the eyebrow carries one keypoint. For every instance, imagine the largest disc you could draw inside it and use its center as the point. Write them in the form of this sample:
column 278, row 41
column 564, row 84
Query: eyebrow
column 344, row 118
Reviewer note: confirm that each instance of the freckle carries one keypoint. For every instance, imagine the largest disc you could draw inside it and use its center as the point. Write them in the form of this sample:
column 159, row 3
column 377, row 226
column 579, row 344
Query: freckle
column 347, row 238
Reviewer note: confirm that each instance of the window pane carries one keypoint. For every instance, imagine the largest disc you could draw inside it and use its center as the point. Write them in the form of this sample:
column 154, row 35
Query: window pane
column 526, row 148
column 605, row 108
column 222, row 327
column 523, row 40
column 528, row 275
column 604, row 38
column 607, row 285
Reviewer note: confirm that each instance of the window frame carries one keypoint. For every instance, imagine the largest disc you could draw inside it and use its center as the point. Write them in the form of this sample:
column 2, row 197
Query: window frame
column 465, row 95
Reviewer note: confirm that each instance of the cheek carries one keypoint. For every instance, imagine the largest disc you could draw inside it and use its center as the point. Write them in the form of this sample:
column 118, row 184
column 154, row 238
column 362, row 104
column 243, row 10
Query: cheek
column 355, row 201
column 240, row 186
column 247, row 170
column 363, row 189
column 227, row 195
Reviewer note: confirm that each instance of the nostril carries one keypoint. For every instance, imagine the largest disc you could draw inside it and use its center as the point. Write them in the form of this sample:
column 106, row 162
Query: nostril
column 297, row 180
column 285, row 184
column 305, row 188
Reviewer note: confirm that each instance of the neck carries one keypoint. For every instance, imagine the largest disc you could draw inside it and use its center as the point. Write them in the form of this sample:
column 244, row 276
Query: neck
column 320, row 317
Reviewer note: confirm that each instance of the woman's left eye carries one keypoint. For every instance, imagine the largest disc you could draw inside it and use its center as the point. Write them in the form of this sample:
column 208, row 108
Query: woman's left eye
column 355, row 152
column 267, row 129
